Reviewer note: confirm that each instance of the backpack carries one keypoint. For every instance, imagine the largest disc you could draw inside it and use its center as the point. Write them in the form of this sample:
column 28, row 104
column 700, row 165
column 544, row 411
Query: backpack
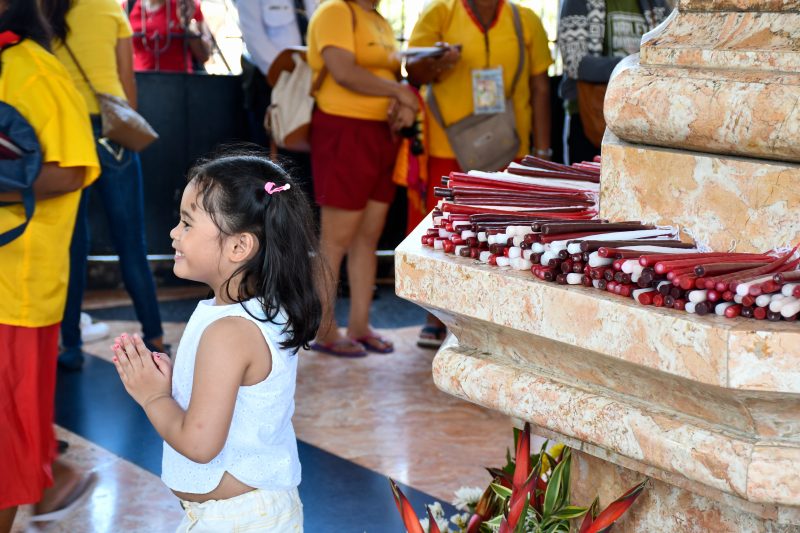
column 288, row 117
column 20, row 161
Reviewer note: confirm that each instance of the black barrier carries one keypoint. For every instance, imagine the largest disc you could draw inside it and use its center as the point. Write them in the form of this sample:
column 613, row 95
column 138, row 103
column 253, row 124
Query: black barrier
column 192, row 114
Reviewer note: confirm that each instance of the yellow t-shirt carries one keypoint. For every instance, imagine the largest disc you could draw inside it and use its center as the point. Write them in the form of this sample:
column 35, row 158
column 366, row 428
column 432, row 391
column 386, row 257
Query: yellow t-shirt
column 373, row 45
column 450, row 21
column 34, row 268
column 95, row 26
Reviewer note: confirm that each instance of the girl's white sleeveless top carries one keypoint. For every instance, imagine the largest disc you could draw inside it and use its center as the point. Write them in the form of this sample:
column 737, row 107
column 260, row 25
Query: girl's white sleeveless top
column 261, row 449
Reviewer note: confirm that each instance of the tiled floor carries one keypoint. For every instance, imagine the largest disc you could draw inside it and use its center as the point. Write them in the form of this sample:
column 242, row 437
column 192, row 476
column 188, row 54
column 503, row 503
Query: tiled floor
column 382, row 413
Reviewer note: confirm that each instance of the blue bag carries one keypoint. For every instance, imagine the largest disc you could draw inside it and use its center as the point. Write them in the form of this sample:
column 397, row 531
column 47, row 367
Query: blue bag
column 20, row 164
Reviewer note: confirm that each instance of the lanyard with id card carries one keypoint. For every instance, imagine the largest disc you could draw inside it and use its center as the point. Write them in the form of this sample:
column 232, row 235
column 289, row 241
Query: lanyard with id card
column 488, row 89
column 488, row 92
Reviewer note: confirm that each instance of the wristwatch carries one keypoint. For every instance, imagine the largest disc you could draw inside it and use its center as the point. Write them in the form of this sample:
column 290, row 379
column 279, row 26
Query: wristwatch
column 544, row 153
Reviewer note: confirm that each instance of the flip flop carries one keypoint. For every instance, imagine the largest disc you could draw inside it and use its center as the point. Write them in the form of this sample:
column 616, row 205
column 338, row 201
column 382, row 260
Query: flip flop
column 73, row 500
column 376, row 343
column 434, row 338
column 335, row 348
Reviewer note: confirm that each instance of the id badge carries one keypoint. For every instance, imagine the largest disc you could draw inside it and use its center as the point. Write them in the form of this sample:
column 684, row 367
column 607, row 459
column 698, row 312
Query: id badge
column 488, row 93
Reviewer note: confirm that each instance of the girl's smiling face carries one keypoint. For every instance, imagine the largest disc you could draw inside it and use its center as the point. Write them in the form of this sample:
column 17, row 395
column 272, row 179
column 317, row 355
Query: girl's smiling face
column 198, row 243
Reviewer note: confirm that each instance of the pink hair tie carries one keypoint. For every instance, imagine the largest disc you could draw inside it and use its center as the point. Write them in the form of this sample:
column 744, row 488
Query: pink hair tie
column 271, row 189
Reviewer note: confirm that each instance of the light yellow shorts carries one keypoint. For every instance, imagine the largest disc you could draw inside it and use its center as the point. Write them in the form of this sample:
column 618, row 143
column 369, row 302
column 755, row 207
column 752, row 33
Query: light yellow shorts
column 258, row 510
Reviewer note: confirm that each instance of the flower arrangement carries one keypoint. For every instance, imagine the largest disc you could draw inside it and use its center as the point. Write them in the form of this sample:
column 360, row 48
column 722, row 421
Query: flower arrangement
column 531, row 494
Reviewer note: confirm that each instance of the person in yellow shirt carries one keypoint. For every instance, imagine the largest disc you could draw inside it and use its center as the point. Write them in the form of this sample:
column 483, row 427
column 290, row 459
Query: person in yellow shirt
column 352, row 52
column 34, row 267
column 481, row 38
column 98, row 34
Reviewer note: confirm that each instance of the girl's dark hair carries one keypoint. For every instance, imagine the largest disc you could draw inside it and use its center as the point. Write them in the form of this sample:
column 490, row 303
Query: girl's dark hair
column 55, row 11
column 24, row 18
column 284, row 272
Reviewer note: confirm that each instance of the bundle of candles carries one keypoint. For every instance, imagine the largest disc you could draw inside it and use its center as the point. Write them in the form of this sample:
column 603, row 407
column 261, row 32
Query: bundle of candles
column 542, row 217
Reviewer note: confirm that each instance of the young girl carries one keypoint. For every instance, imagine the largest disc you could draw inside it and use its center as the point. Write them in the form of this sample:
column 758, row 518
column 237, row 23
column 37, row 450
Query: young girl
column 224, row 410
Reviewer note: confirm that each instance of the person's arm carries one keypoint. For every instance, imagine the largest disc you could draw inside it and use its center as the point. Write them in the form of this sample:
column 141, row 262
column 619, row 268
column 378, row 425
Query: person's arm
column 200, row 41
column 52, row 181
column 124, row 51
column 226, row 350
column 261, row 50
column 422, row 71
column 540, row 96
column 343, row 68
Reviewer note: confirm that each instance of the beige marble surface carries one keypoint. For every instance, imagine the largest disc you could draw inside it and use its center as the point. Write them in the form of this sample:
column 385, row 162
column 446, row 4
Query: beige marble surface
column 125, row 498
column 739, row 5
column 711, row 402
column 732, row 112
column 718, row 77
column 701, row 349
column 663, row 507
column 732, row 40
column 725, row 202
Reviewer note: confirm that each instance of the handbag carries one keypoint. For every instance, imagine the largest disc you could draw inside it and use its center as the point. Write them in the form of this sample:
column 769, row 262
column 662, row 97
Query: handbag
column 590, row 108
column 121, row 123
column 20, row 156
column 485, row 142
column 288, row 117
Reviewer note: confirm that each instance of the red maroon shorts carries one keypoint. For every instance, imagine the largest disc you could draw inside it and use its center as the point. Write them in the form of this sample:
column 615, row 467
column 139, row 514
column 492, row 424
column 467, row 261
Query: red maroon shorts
column 27, row 392
column 352, row 161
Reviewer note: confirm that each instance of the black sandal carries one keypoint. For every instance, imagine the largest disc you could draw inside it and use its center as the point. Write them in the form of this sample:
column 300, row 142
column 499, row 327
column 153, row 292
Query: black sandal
column 431, row 336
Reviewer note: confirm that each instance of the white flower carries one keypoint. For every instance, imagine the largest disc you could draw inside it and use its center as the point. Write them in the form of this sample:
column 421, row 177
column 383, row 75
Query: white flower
column 425, row 523
column 467, row 497
column 461, row 520
column 438, row 514
column 442, row 523
column 436, row 510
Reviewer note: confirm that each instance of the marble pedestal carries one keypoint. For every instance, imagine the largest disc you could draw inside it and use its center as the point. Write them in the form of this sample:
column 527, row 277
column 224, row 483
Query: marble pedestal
column 704, row 132
column 708, row 407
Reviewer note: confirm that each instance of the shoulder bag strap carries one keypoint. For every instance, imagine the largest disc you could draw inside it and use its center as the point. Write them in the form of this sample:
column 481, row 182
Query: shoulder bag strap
column 434, row 105
column 520, row 43
column 80, row 69
column 324, row 72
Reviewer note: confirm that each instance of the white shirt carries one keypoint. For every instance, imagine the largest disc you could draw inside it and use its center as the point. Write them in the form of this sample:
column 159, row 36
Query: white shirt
column 269, row 26
column 261, row 448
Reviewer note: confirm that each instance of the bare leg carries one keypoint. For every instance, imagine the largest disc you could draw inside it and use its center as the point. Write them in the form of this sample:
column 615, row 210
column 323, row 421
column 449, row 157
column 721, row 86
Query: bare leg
column 431, row 320
column 362, row 265
column 65, row 479
column 7, row 519
column 337, row 228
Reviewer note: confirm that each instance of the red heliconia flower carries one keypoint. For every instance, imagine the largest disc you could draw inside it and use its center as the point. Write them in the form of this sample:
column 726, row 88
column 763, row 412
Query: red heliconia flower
column 433, row 527
column 410, row 519
column 606, row 519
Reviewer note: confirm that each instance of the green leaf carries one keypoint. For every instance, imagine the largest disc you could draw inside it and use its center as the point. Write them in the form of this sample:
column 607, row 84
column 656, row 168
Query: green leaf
column 566, row 460
column 569, row 512
column 503, row 492
column 553, row 496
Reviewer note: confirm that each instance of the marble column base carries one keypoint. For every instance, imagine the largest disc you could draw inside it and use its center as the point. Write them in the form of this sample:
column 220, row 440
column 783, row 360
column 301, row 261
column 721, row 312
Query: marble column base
column 725, row 202
column 664, row 507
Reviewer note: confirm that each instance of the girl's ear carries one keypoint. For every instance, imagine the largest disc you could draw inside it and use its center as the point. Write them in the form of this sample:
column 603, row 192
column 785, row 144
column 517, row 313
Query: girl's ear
column 244, row 246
